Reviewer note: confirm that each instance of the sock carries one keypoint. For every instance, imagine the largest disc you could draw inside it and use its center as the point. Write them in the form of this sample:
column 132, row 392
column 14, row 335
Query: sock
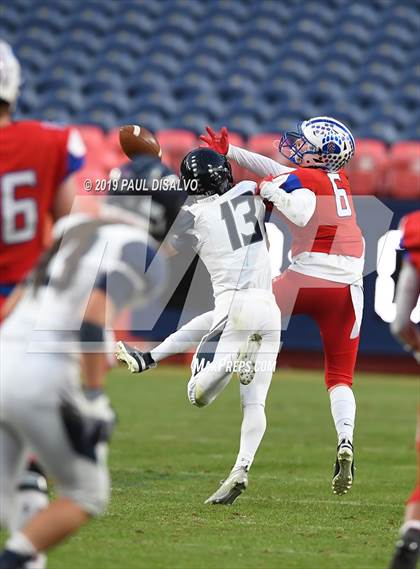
column 252, row 431
column 183, row 339
column 343, row 410
column 20, row 544
column 410, row 524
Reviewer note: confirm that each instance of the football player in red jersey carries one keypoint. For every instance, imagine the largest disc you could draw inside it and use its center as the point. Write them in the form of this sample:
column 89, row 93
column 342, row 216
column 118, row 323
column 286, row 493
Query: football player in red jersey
column 37, row 163
column 324, row 279
column 407, row 294
column 36, row 183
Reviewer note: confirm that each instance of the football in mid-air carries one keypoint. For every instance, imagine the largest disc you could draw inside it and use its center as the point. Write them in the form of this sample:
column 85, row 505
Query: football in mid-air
column 135, row 140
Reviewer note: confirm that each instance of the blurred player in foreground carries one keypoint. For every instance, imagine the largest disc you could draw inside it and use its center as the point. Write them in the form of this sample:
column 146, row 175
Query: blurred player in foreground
column 95, row 268
column 324, row 279
column 407, row 294
column 38, row 161
column 225, row 225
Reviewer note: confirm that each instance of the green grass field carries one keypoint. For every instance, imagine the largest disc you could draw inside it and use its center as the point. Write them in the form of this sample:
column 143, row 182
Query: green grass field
column 167, row 457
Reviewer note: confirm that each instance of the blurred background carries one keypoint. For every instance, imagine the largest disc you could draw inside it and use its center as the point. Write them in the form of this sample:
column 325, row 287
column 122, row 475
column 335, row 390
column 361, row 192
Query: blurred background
column 257, row 67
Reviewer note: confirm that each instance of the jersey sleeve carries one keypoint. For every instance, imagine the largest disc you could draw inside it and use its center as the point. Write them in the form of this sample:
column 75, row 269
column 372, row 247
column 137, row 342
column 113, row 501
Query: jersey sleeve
column 183, row 234
column 75, row 152
column 261, row 165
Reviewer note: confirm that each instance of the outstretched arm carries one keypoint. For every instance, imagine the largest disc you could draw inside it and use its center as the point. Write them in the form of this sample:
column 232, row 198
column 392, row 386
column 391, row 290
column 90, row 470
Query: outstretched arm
column 261, row 165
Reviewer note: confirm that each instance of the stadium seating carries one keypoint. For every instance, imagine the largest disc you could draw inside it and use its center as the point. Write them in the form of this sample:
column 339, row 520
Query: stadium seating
column 368, row 167
column 255, row 66
column 403, row 178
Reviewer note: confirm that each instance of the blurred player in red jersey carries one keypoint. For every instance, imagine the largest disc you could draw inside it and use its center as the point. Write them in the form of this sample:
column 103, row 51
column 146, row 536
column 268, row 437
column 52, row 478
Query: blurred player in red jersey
column 324, row 279
column 37, row 163
column 36, row 182
column 407, row 294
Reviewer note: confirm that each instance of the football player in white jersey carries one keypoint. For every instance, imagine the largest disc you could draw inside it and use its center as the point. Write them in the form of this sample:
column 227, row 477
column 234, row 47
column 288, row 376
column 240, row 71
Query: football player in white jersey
column 94, row 269
column 225, row 225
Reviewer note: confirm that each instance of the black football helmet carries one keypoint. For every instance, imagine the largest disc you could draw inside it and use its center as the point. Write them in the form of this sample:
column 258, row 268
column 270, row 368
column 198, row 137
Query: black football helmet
column 205, row 172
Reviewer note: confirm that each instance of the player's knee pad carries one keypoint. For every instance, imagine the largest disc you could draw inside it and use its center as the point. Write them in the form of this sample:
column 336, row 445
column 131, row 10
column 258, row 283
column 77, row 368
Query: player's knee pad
column 415, row 496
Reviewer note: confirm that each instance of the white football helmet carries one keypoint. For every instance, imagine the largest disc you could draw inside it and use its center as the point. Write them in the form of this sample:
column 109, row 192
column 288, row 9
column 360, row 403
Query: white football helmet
column 10, row 74
column 320, row 142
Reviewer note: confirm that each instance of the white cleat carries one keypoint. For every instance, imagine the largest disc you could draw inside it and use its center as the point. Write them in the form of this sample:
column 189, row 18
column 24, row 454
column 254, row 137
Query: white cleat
column 344, row 468
column 231, row 488
column 247, row 358
column 136, row 361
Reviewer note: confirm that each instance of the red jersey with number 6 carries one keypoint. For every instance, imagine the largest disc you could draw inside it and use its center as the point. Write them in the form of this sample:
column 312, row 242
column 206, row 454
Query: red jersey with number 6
column 35, row 159
column 333, row 227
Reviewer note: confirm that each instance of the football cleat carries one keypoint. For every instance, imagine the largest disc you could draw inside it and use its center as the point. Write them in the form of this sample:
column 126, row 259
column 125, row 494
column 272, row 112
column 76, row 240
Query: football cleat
column 247, row 358
column 407, row 550
column 344, row 468
column 136, row 361
column 231, row 488
column 12, row 560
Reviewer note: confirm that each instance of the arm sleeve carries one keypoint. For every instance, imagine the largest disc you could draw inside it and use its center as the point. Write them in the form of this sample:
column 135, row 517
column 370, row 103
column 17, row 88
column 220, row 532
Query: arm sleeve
column 297, row 205
column 182, row 233
column 257, row 163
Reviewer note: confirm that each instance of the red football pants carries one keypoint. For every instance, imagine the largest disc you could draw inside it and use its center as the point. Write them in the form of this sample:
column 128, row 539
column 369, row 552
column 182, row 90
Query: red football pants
column 330, row 305
column 415, row 495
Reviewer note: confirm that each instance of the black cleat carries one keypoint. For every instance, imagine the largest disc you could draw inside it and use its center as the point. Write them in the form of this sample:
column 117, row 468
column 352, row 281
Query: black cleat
column 12, row 560
column 344, row 468
column 407, row 550
column 136, row 361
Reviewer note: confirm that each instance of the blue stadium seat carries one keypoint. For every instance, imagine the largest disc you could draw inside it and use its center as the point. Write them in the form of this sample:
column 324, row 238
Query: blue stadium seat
column 54, row 113
column 92, row 17
column 160, row 102
column 309, row 28
column 192, row 83
column 407, row 95
column 352, row 31
column 246, row 106
column 390, row 113
column 152, row 120
column 344, row 50
column 31, row 58
column 159, row 61
column 117, row 59
column 248, row 67
column 80, row 41
column 381, row 72
column 71, row 101
column 147, row 82
column 368, row 94
column 212, row 68
column 390, row 52
column 323, row 92
column 212, row 44
column 268, row 27
column 242, row 123
column 134, row 20
column 181, row 22
column 219, row 24
column 202, row 103
column 175, row 44
column 236, row 86
column 363, row 12
column 292, row 69
column 279, row 89
column 387, row 132
column 101, row 117
column 253, row 45
column 110, row 99
column 301, row 49
column 194, row 121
